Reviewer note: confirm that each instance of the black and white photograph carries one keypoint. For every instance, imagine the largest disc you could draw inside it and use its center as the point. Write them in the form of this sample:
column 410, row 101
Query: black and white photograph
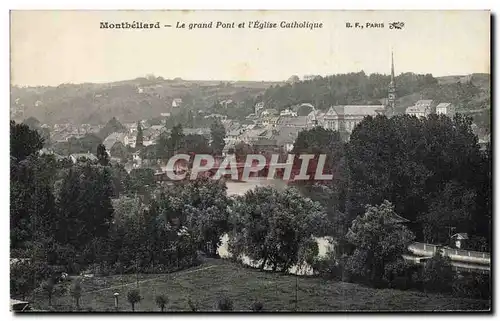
column 250, row 161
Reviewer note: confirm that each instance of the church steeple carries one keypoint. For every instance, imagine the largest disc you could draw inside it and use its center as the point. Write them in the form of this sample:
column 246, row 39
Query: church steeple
column 392, row 89
column 392, row 66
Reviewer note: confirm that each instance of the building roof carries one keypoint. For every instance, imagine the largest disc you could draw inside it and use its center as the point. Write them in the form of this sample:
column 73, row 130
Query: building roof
column 286, row 135
column 417, row 109
column 89, row 156
column 254, row 133
column 271, row 111
column 157, row 127
column 235, row 132
column 356, row 110
column 460, row 236
column 196, row 131
column 443, row 105
column 293, row 121
column 113, row 138
column 395, row 218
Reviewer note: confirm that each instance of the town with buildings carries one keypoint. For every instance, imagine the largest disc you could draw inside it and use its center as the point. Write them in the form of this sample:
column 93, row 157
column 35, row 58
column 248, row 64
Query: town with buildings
column 265, row 128
column 359, row 179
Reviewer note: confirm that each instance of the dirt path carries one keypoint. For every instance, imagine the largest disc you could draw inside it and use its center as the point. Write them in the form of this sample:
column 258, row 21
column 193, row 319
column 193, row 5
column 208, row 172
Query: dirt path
column 152, row 279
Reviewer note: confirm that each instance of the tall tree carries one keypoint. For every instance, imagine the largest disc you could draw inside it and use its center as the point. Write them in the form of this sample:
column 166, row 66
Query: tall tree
column 139, row 142
column 176, row 140
column 23, row 141
column 218, row 133
column 102, row 155
column 201, row 206
column 379, row 239
column 272, row 226
column 409, row 161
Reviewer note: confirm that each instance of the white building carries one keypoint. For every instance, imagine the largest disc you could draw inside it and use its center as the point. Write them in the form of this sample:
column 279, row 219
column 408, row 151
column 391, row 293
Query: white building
column 445, row 109
column 177, row 102
column 422, row 108
column 288, row 113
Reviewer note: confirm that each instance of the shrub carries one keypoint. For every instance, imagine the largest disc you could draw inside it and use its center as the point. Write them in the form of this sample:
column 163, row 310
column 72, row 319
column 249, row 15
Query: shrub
column 257, row 306
column 193, row 305
column 161, row 302
column 438, row 274
column 76, row 292
column 133, row 297
column 472, row 285
column 224, row 304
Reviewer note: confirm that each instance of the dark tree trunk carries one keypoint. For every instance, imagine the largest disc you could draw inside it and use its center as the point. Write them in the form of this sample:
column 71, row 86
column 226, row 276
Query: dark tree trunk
column 263, row 265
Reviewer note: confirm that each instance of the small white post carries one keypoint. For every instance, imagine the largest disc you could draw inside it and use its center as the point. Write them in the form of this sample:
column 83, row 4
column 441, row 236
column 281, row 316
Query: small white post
column 116, row 300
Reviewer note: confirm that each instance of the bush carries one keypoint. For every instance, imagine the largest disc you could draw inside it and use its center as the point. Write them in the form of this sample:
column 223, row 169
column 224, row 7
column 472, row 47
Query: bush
column 257, row 306
column 329, row 267
column 133, row 297
column 472, row 285
column 193, row 305
column 438, row 274
column 161, row 302
column 224, row 304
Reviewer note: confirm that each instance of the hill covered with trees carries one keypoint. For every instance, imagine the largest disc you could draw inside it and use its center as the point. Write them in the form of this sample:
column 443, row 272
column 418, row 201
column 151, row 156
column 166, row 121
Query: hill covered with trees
column 148, row 98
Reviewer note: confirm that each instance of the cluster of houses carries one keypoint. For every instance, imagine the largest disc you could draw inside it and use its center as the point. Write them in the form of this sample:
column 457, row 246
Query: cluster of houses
column 265, row 129
column 424, row 108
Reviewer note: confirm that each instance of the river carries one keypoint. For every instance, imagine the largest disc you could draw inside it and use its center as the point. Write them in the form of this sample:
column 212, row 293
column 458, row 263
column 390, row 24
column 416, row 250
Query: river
column 240, row 188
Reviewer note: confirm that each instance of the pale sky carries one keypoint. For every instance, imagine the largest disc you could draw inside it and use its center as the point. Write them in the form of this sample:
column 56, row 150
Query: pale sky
column 54, row 47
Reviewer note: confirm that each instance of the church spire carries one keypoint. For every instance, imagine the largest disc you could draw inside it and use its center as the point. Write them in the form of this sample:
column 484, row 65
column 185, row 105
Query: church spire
column 392, row 66
column 392, row 89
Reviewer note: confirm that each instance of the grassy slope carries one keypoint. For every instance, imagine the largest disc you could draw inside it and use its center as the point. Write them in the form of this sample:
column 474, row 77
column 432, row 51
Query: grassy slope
column 244, row 286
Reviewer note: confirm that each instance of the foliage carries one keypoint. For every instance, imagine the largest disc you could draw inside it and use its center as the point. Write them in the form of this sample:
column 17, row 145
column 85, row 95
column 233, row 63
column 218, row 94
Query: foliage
column 139, row 178
column 76, row 292
column 198, row 144
column 133, row 297
column 102, row 155
column 112, row 126
column 201, row 207
column 257, row 306
column 378, row 242
column 139, row 142
column 414, row 162
column 472, row 285
column 271, row 226
column 218, row 133
column 85, row 208
column 193, row 305
column 445, row 210
column 343, row 89
column 49, row 289
column 438, row 274
column 23, row 141
column 161, row 301
column 224, row 303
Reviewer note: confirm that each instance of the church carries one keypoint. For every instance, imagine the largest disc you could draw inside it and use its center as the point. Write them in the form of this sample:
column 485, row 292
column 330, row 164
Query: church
column 344, row 118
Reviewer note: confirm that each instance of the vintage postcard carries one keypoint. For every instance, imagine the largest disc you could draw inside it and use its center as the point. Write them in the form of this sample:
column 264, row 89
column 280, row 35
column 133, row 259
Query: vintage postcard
column 250, row 161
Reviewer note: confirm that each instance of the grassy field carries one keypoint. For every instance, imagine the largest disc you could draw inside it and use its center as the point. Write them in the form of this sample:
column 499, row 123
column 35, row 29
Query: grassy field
column 205, row 283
